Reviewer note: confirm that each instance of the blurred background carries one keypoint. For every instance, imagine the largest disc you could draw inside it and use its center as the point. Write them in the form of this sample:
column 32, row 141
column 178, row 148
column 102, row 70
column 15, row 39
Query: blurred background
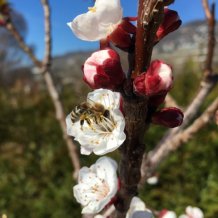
column 35, row 169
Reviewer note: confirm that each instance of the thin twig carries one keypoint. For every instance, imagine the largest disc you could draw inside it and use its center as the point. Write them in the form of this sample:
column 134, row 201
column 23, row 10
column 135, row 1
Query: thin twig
column 60, row 115
column 45, row 70
column 156, row 156
column 209, row 80
column 12, row 29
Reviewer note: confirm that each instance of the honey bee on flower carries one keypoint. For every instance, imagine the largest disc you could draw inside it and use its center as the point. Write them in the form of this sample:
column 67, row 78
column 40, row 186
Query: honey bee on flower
column 98, row 124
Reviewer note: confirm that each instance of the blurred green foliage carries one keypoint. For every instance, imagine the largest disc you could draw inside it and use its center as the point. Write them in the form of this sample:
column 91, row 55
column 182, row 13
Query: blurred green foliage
column 36, row 172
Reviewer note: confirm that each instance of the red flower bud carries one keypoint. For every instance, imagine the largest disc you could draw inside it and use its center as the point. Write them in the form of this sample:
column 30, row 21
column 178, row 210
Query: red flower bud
column 103, row 70
column 121, row 36
column 169, row 117
column 171, row 22
column 156, row 81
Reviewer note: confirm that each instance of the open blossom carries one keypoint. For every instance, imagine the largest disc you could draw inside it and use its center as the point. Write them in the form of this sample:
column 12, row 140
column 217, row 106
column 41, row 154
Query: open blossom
column 138, row 209
column 99, row 21
column 192, row 212
column 104, row 21
column 96, row 185
column 103, row 70
column 167, row 214
column 156, row 81
column 99, row 133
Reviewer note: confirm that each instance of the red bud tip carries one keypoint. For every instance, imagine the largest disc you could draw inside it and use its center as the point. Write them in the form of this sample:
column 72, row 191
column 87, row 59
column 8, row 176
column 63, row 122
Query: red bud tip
column 169, row 117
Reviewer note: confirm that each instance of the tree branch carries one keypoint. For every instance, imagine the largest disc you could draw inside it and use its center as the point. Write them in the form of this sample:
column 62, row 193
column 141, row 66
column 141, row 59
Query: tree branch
column 209, row 80
column 12, row 29
column 45, row 70
column 156, row 156
column 60, row 115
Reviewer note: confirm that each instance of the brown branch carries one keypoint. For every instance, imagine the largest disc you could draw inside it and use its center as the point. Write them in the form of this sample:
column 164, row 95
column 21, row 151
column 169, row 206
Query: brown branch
column 211, row 21
column 209, row 80
column 47, row 18
column 156, row 156
column 12, row 29
column 150, row 14
column 60, row 115
column 45, row 70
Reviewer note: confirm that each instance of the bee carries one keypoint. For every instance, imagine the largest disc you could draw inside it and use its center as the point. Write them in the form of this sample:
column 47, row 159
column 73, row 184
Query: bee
column 89, row 112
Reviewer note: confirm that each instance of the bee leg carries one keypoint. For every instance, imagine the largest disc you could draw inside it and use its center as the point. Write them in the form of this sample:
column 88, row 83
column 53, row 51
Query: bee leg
column 89, row 122
column 81, row 124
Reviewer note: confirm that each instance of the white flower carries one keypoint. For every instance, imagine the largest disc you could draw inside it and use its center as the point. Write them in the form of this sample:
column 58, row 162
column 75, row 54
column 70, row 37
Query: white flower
column 192, row 212
column 138, row 209
column 97, row 185
column 99, row 21
column 104, row 133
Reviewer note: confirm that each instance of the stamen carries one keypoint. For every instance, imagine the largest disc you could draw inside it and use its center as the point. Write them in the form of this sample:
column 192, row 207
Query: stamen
column 92, row 9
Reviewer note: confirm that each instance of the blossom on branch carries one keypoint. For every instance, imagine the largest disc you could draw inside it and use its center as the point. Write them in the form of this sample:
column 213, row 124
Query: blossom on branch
column 96, row 185
column 104, row 21
column 103, row 70
column 157, row 80
column 138, row 209
column 169, row 117
column 98, row 124
column 192, row 212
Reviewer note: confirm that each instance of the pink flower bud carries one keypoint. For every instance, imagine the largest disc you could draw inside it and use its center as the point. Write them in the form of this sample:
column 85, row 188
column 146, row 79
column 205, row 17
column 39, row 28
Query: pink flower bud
column 169, row 117
column 170, row 23
column 103, row 70
column 156, row 81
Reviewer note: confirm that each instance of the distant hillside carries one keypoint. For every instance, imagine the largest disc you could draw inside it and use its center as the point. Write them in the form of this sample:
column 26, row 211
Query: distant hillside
column 187, row 43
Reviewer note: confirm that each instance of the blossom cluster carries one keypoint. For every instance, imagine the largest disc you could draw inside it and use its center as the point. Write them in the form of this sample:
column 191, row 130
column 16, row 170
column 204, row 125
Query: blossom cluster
column 98, row 123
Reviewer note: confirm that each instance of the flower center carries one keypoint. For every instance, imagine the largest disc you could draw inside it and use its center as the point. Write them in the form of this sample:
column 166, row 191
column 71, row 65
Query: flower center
column 101, row 190
column 92, row 9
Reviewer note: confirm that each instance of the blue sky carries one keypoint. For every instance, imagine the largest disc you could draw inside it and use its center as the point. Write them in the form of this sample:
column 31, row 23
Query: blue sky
column 64, row 11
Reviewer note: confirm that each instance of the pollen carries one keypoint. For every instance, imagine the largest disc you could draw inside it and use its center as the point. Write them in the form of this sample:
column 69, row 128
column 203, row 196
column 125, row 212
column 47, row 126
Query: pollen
column 92, row 9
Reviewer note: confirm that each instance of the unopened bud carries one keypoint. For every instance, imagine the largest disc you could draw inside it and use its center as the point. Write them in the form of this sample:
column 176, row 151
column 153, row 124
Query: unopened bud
column 171, row 22
column 103, row 70
column 121, row 36
column 157, row 80
column 169, row 117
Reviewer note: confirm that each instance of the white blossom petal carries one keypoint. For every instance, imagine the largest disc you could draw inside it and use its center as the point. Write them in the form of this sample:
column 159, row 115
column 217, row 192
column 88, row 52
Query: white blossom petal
column 99, row 21
column 103, row 136
column 97, row 185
